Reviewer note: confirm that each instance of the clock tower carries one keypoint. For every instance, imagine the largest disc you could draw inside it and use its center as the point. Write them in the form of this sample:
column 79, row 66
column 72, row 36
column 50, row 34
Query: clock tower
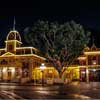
column 13, row 40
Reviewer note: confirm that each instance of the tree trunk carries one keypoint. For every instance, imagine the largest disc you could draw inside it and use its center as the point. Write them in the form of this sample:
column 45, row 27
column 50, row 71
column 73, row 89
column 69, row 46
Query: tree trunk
column 60, row 75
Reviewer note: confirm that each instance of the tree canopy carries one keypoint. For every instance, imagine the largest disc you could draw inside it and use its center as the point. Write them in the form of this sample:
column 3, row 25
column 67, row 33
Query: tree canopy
column 61, row 44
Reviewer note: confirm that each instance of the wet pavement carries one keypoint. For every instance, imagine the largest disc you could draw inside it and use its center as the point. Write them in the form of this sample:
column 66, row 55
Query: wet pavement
column 73, row 90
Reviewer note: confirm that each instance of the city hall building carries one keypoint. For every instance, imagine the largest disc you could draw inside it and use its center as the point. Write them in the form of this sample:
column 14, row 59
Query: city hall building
column 16, row 62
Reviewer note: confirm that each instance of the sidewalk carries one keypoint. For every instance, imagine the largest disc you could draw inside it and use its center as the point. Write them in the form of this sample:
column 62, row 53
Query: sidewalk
column 21, row 84
column 81, row 84
column 85, row 85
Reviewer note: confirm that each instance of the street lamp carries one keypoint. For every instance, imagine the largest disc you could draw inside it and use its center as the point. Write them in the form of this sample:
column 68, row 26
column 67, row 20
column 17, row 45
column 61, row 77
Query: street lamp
column 42, row 67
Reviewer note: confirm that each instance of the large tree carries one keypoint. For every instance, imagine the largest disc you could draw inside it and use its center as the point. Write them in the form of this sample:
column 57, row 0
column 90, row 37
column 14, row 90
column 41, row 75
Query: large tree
column 61, row 44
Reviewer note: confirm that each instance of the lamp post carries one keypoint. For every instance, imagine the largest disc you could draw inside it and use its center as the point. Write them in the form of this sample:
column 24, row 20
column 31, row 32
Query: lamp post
column 42, row 67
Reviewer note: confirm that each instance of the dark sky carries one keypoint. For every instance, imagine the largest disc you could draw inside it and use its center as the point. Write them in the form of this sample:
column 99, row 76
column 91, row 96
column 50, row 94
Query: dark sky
column 27, row 12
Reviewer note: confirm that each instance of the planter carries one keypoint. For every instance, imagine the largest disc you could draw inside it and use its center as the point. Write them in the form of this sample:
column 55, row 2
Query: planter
column 50, row 81
column 58, row 81
column 25, row 80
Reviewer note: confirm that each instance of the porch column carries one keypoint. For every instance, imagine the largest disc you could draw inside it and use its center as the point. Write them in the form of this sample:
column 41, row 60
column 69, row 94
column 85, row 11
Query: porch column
column 87, row 74
column 30, row 69
column 87, row 70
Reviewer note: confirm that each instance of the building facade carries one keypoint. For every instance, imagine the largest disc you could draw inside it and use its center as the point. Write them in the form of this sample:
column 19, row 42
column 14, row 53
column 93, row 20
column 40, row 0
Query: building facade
column 16, row 62
column 89, row 64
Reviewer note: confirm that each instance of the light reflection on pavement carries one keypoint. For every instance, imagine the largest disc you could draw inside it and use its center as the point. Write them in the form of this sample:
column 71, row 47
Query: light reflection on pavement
column 72, row 91
column 9, row 95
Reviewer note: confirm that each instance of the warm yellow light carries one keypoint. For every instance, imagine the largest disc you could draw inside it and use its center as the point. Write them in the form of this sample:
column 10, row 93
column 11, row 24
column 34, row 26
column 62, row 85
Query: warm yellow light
column 81, row 58
column 50, row 71
column 13, row 41
column 8, row 54
column 13, row 70
column 87, row 71
column 81, row 66
column 92, row 53
column 94, row 62
column 2, row 49
column 23, row 55
column 27, row 48
column 15, row 32
column 4, row 70
column 42, row 67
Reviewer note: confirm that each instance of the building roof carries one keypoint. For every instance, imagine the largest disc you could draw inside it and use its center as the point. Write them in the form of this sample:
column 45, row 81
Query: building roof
column 93, row 47
column 13, row 35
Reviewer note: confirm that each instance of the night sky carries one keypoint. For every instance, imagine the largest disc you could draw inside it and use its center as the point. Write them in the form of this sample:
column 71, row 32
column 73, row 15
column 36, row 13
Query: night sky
column 27, row 12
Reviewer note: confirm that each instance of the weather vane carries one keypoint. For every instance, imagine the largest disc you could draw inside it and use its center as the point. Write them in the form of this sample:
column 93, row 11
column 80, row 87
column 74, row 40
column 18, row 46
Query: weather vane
column 14, row 24
column 93, row 40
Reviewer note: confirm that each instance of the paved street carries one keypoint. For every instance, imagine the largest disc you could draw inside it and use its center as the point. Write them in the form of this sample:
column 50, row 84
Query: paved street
column 29, row 91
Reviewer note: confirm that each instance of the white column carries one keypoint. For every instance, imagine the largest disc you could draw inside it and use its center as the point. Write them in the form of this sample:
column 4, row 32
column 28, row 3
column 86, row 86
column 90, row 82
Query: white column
column 87, row 74
column 87, row 71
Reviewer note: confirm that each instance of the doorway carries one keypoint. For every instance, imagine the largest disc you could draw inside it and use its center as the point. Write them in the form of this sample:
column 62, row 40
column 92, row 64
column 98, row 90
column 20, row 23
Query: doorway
column 94, row 75
column 9, row 74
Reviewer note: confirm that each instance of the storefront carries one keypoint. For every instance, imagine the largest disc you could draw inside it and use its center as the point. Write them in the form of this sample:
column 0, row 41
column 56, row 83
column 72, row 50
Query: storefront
column 10, row 74
column 50, row 73
column 92, row 75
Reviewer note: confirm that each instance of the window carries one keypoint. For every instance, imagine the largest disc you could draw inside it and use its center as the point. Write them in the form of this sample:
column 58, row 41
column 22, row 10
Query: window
column 28, row 51
column 10, row 47
column 94, row 62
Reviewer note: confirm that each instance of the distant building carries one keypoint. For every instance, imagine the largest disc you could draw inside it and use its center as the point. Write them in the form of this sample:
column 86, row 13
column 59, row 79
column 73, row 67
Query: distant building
column 89, row 64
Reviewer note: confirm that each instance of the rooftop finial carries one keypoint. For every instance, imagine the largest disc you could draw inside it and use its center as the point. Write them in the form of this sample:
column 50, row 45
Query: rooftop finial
column 93, row 40
column 14, row 24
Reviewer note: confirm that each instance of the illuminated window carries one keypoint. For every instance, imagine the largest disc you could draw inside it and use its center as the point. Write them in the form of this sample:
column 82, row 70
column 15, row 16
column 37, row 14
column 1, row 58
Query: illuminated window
column 94, row 62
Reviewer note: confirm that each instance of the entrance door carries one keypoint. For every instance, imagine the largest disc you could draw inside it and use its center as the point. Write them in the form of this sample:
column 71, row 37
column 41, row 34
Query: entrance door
column 98, row 71
column 94, row 75
column 1, row 75
column 9, row 74
column 83, row 74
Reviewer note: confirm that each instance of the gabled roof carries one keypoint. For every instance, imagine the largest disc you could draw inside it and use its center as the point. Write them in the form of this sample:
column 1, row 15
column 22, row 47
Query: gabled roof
column 8, row 54
column 11, row 54
column 93, row 48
